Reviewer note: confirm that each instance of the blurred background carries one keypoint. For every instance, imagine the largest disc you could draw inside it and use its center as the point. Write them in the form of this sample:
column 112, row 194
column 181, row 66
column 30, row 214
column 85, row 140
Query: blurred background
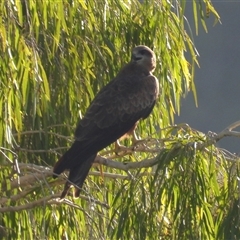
column 217, row 80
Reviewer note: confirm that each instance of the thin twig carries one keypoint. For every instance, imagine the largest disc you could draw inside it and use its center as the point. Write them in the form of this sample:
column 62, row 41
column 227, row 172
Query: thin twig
column 39, row 202
column 53, row 150
column 44, row 132
column 31, row 176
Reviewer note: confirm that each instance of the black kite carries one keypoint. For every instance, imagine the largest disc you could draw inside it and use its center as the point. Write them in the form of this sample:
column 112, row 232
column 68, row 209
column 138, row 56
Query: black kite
column 115, row 110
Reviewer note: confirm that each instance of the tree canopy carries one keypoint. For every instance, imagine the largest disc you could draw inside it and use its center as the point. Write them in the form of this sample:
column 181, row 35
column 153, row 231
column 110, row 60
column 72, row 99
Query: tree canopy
column 55, row 56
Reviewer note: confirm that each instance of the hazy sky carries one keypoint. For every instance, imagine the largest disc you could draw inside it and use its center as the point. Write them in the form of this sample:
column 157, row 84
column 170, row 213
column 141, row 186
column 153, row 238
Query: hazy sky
column 218, row 78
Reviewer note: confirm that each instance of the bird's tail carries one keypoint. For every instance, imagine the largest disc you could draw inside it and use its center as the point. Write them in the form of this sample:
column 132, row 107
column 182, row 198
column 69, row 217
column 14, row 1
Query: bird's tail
column 77, row 176
column 69, row 159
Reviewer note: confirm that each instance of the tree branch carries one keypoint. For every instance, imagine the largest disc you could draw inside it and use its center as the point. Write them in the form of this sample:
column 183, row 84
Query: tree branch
column 227, row 132
column 126, row 166
column 31, row 176
column 39, row 202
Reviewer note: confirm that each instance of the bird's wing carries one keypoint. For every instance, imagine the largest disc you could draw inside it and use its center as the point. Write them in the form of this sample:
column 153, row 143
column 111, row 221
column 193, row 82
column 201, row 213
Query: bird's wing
column 117, row 107
column 113, row 112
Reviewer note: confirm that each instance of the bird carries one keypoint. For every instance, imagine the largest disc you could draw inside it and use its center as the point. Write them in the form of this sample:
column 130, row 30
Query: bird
column 113, row 113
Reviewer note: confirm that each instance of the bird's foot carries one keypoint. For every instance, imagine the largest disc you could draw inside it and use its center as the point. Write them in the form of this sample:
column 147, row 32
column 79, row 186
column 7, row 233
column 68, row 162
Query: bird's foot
column 119, row 148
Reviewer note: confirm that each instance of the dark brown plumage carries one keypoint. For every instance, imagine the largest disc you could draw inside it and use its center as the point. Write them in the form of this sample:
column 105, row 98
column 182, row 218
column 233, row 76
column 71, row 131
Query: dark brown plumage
column 115, row 110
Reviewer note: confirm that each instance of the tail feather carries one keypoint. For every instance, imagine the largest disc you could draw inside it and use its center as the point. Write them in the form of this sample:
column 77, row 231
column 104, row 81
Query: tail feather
column 69, row 159
column 58, row 167
column 77, row 176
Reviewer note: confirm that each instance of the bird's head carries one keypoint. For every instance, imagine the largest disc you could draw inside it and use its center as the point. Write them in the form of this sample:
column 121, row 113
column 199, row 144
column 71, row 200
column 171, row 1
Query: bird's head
column 145, row 57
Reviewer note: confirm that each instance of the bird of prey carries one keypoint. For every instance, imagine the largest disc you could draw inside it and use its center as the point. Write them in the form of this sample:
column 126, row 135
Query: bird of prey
column 114, row 112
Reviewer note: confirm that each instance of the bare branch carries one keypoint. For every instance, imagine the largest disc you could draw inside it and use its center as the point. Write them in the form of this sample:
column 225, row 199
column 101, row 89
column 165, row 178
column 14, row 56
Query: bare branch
column 49, row 200
column 44, row 132
column 29, row 177
column 39, row 202
column 233, row 125
column 227, row 132
column 126, row 166
column 53, row 150
column 16, row 197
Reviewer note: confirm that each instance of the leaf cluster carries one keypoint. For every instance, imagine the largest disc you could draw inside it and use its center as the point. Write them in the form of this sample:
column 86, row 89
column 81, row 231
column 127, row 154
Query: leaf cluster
column 55, row 56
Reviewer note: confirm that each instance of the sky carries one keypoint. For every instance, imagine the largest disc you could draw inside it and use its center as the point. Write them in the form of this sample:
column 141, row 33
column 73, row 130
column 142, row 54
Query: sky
column 218, row 78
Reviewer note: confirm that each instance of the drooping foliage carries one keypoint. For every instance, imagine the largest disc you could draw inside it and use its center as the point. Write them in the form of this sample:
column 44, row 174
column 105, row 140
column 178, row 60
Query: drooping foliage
column 55, row 56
